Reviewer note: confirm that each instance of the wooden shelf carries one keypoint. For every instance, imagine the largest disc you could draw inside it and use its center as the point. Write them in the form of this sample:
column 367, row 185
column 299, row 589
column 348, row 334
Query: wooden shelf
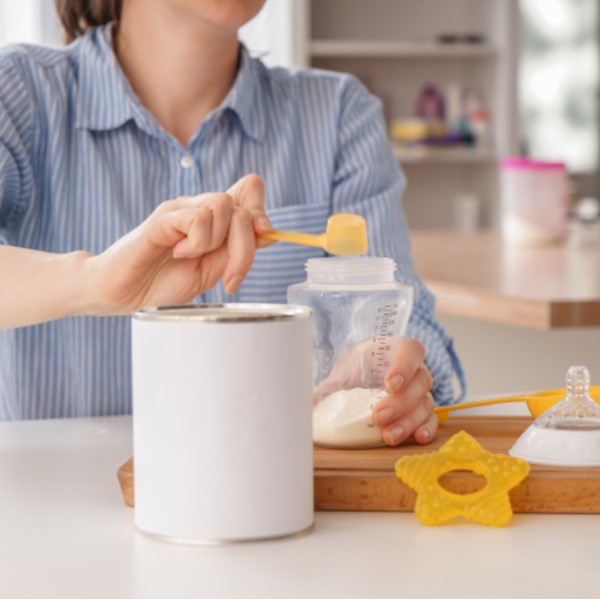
column 397, row 49
column 479, row 276
column 394, row 48
column 427, row 155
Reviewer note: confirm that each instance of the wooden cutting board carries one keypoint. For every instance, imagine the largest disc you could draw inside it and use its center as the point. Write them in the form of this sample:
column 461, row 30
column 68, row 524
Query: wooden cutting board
column 365, row 479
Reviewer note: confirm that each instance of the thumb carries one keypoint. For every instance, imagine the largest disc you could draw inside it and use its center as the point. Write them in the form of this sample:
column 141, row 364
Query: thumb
column 249, row 193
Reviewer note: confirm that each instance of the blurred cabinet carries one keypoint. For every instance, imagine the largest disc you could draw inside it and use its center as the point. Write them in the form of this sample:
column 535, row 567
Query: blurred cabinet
column 393, row 47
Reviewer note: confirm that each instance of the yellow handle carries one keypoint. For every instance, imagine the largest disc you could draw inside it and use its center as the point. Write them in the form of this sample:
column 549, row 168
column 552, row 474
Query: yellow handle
column 537, row 402
column 305, row 239
column 446, row 409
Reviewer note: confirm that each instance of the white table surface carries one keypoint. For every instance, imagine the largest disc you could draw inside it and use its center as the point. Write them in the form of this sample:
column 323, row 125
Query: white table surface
column 65, row 532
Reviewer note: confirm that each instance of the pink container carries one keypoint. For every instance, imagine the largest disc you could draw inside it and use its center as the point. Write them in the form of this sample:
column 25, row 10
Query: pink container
column 534, row 200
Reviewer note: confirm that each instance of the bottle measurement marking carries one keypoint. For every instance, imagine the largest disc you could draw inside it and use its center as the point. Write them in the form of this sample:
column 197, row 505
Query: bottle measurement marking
column 385, row 320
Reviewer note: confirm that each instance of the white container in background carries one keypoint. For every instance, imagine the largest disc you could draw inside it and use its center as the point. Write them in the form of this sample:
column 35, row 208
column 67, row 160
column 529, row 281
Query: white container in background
column 467, row 209
column 222, row 422
column 534, row 200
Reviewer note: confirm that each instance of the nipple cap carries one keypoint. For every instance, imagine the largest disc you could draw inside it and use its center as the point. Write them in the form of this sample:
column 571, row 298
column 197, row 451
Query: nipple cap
column 567, row 434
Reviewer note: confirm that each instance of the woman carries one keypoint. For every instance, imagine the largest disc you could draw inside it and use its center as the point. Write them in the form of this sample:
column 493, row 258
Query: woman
column 157, row 99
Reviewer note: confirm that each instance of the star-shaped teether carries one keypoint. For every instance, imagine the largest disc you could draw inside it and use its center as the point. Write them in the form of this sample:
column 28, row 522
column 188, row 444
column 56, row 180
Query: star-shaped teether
column 435, row 505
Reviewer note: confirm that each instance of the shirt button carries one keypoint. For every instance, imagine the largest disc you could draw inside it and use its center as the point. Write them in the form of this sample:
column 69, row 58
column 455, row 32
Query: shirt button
column 186, row 161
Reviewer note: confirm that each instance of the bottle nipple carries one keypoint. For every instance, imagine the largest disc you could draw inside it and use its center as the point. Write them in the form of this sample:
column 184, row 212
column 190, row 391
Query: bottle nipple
column 577, row 410
column 568, row 434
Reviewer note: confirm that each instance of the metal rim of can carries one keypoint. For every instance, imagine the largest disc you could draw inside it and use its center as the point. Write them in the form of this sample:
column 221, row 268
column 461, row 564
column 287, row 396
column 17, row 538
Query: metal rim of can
column 228, row 312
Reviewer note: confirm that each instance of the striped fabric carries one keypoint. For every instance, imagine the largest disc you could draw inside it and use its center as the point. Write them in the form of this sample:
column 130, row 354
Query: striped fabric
column 82, row 162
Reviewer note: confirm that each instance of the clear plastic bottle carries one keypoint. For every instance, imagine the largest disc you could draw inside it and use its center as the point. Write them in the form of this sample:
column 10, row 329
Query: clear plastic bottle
column 360, row 313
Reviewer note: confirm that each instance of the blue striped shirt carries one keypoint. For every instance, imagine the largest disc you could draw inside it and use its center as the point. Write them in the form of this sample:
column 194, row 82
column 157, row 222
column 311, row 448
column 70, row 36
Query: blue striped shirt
column 82, row 162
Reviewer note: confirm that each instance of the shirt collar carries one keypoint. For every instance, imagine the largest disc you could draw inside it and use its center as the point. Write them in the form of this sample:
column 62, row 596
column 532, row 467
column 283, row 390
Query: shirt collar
column 106, row 100
column 245, row 96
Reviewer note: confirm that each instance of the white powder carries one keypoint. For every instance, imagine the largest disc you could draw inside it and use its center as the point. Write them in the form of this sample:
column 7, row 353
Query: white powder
column 344, row 419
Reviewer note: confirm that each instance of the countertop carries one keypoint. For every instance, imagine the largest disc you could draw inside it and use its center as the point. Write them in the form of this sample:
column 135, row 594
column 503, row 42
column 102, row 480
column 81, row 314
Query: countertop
column 66, row 533
column 477, row 275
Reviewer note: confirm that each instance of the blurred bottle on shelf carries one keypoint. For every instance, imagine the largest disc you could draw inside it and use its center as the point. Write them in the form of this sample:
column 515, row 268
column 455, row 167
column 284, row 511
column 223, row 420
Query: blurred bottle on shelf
column 456, row 118
column 467, row 213
column 584, row 224
column 430, row 104
column 454, row 106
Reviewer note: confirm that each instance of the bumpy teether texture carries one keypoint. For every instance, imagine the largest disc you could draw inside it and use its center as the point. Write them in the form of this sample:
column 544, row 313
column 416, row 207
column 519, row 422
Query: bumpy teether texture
column 435, row 505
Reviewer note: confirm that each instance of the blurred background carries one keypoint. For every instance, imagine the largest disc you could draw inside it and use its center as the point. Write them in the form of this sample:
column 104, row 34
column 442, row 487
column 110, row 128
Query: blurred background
column 511, row 76
column 464, row 84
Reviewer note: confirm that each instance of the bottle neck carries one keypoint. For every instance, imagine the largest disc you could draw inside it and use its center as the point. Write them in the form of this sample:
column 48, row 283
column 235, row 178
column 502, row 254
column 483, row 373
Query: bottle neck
column 350, row 270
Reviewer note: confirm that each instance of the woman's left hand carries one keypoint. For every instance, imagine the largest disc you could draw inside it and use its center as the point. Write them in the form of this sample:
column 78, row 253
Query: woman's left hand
column 408, row 410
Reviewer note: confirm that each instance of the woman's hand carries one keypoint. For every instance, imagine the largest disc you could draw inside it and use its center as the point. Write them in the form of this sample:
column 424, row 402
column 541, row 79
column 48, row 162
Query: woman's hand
column 182, row 250
column 408, row 410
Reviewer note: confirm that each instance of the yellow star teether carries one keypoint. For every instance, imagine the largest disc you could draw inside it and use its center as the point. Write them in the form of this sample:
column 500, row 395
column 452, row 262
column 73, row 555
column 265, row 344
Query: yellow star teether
column 435, row 505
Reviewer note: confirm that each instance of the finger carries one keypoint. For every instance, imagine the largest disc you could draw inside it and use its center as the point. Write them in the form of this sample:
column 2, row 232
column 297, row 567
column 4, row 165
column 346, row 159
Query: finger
column 221, row 206
column 409, row 358
column 426, row 432
column 190, row 216
column 249, row 193
column 401, row 429
column 262, row 225
column 241, row 249
column 183, row 202
column 167, row 229
column 394, row 406
column 171, row 205
column 205, row 226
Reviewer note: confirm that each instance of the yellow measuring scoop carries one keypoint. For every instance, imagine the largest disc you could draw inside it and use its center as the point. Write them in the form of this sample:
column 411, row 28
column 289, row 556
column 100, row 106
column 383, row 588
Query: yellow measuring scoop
column 346, row 235
column 537, row 403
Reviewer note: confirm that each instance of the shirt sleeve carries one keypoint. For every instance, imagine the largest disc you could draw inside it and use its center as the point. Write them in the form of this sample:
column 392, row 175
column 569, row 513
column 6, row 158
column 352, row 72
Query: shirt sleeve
column 369, row 181
column 16, row 133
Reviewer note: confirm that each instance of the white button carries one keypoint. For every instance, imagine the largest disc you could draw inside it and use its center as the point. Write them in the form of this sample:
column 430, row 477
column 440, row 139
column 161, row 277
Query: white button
column 186, row 161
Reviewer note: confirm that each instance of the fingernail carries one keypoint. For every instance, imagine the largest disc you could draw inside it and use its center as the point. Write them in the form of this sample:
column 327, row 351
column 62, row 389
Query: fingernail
column 395, row 383
column 384, row 415
column 233, row 284
column 177, row 253
column 394, row 435
column 425, row 434
column 264, row 224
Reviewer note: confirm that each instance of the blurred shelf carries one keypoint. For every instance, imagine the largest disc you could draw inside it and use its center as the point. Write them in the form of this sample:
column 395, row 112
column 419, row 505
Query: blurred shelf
column 428, row 155
column 397, row 49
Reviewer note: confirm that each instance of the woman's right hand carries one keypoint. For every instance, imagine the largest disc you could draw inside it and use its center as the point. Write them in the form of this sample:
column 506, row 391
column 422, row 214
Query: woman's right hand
column 181, row 250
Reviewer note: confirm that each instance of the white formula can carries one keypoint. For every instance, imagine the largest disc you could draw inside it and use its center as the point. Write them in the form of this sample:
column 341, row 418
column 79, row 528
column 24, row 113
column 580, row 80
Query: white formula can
column 222, row 422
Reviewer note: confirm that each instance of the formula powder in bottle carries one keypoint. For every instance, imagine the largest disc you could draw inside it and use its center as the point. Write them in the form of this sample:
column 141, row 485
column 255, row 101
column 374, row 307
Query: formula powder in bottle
column 344, row 419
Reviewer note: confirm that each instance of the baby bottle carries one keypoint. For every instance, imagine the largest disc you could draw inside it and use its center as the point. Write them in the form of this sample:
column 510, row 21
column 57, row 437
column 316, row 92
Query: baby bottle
column 360, row 313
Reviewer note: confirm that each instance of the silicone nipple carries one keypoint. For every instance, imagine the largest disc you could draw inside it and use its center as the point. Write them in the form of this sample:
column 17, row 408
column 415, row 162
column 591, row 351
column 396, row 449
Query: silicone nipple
column 577, row 411
column 568, row 434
